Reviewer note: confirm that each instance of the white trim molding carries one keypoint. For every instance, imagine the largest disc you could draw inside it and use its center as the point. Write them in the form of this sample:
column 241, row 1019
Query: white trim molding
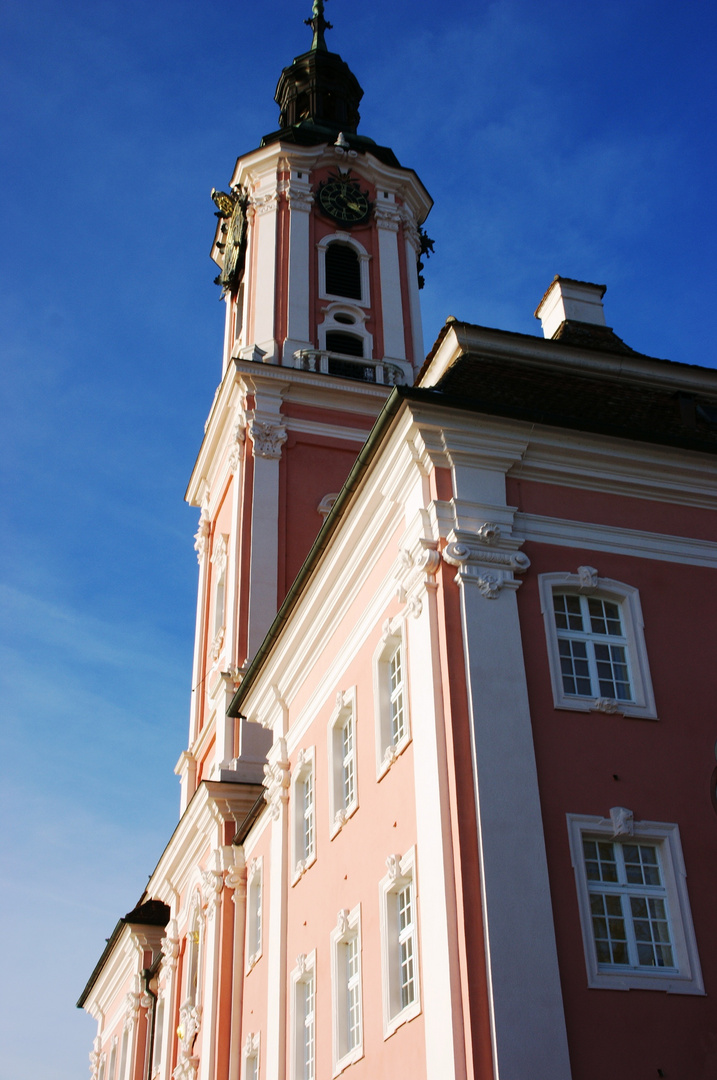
column 254, row 912
column 390, row 692
column 665, row 885
column 399, row 942
column 302, row 1062
column 303, row 804
column 346, row 982
column 587, row 583
column 343, row 772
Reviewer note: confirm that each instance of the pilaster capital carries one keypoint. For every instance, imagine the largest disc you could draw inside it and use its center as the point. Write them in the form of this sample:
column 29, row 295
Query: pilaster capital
column 202, row 534
column 417, row 564
column 236, row 448
column 277, row 778
column 387, row 216
column 264, row 203
column 488, row 558
column 267, row 439
column 170, row 945
column 95, row 1058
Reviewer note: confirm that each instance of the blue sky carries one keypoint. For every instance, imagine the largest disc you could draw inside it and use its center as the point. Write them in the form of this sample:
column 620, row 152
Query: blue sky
column 558, row 137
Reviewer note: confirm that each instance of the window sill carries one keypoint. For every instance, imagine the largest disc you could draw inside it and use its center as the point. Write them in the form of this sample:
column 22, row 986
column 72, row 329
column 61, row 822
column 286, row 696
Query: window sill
column 348, row 1059
column 342, row 816
column 404, row 1017
column 391, row 755
column 300, row 869
column 608, row 706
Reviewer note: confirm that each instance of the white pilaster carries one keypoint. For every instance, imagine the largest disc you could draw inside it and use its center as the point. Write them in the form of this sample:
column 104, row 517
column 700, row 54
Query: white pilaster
column 264, row 204
column 527, row 1016
column 201, row 546
column 236, row 456
column 301, row 201
column 212, row 887
column 268, row 435
column 170, row 950
column 440, row 985
column 394, row 341
column 236, row 881
column 278, row 779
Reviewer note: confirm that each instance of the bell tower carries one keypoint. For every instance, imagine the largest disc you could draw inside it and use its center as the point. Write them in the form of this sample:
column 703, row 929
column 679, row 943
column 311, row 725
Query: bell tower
column 317, row 242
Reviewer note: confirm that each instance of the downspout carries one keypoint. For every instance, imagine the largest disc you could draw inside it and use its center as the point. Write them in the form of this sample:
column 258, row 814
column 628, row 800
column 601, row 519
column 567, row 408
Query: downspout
column 146, row 976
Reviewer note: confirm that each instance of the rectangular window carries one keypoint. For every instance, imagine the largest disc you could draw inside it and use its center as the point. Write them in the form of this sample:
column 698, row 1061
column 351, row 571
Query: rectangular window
column 343, row 793
column 347, row 989
column 390, row 698
column 634, row 907
column 303, row 1023
column 254, row 919
column 399, row 942
column 303, row 807
column 628, row 904
column 158, row 1035
column 395, row 680
column 593, row 648
column 596, row 644
column 309, row 1033
column 251, row 1057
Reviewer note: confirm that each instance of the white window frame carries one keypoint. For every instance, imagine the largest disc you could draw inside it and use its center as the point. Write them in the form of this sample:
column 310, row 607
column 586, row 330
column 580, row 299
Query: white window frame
column 125, row 1052
column 302, row 855
column 254, row 946
column 364, row 259
column 587, row 583
column 346, row 932
column 357, row 327
column 341, row 808
column 251, row 1054
column 389, row 749
column 620, row 827
column 303, row 974
column 113, row 1059
column 401, row 874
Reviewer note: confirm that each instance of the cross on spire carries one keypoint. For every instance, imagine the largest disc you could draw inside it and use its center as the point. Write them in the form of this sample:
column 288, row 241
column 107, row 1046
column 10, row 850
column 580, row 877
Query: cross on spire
column 318, row 24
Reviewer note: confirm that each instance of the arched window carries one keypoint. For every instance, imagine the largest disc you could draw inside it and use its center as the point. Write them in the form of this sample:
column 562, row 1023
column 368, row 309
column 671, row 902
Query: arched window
column 342, row 342
column 343, row 271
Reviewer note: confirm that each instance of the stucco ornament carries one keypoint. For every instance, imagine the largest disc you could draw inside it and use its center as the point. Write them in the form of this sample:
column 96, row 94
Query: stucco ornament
column 606, row 705
column 236, row 450
column 588, row 577
column 95, row 1058
column 170, row 945
column 202, row 534
column 393, row 865
column 212, row 885
column 190, row 1021
column 235, row 877
column 342, row 921
column 131, row 1008
column 267, row 439
column 277, row 778
column 487, row 558
column 623, row 823
column 301, row 964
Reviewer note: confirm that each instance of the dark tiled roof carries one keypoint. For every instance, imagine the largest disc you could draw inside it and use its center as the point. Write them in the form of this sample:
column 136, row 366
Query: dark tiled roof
column 150, row 913
column 603, row 403
column 590, row 336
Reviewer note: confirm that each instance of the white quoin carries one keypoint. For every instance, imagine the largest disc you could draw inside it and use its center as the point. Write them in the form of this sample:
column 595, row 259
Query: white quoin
column 565, row 298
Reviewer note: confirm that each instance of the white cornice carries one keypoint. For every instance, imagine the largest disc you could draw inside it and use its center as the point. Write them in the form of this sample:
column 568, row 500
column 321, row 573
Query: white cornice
column 617, row 540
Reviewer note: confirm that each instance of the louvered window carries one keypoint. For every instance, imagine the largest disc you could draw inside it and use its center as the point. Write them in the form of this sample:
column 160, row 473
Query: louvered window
column 341, row 342
column 343, row 272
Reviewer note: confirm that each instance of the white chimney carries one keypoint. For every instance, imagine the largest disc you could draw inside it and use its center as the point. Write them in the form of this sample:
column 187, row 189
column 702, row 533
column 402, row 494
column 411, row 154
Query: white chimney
column 566, row 299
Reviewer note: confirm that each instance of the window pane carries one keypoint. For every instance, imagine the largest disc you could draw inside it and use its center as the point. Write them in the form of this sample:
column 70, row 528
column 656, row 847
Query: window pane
column 604, row 617
column 568, row 615
column 574, row 667
column 612, row 671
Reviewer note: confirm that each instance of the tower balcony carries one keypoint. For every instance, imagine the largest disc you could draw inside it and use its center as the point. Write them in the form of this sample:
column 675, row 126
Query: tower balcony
column 323, row 361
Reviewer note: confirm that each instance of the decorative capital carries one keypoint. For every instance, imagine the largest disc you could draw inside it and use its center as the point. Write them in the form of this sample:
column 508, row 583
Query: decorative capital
column 236, row 451
column 170, row 945
column 301, row 964
column 267, row 439
column 487, row 558
column 264, row 204
column 95, row 1058
column 212, row 885
column 277, row 779
column 251, row 1044
column 387, row 217
column 219, row 554
column 202, row 534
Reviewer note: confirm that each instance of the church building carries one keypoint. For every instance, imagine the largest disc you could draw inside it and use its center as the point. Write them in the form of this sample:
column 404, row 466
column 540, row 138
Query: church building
column 448, row 805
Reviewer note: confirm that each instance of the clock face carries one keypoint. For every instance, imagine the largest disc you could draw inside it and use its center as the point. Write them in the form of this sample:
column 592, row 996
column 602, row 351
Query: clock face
column 341, row 199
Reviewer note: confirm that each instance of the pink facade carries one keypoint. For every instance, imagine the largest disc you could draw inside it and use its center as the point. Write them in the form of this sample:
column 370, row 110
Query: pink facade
column 450, row 812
